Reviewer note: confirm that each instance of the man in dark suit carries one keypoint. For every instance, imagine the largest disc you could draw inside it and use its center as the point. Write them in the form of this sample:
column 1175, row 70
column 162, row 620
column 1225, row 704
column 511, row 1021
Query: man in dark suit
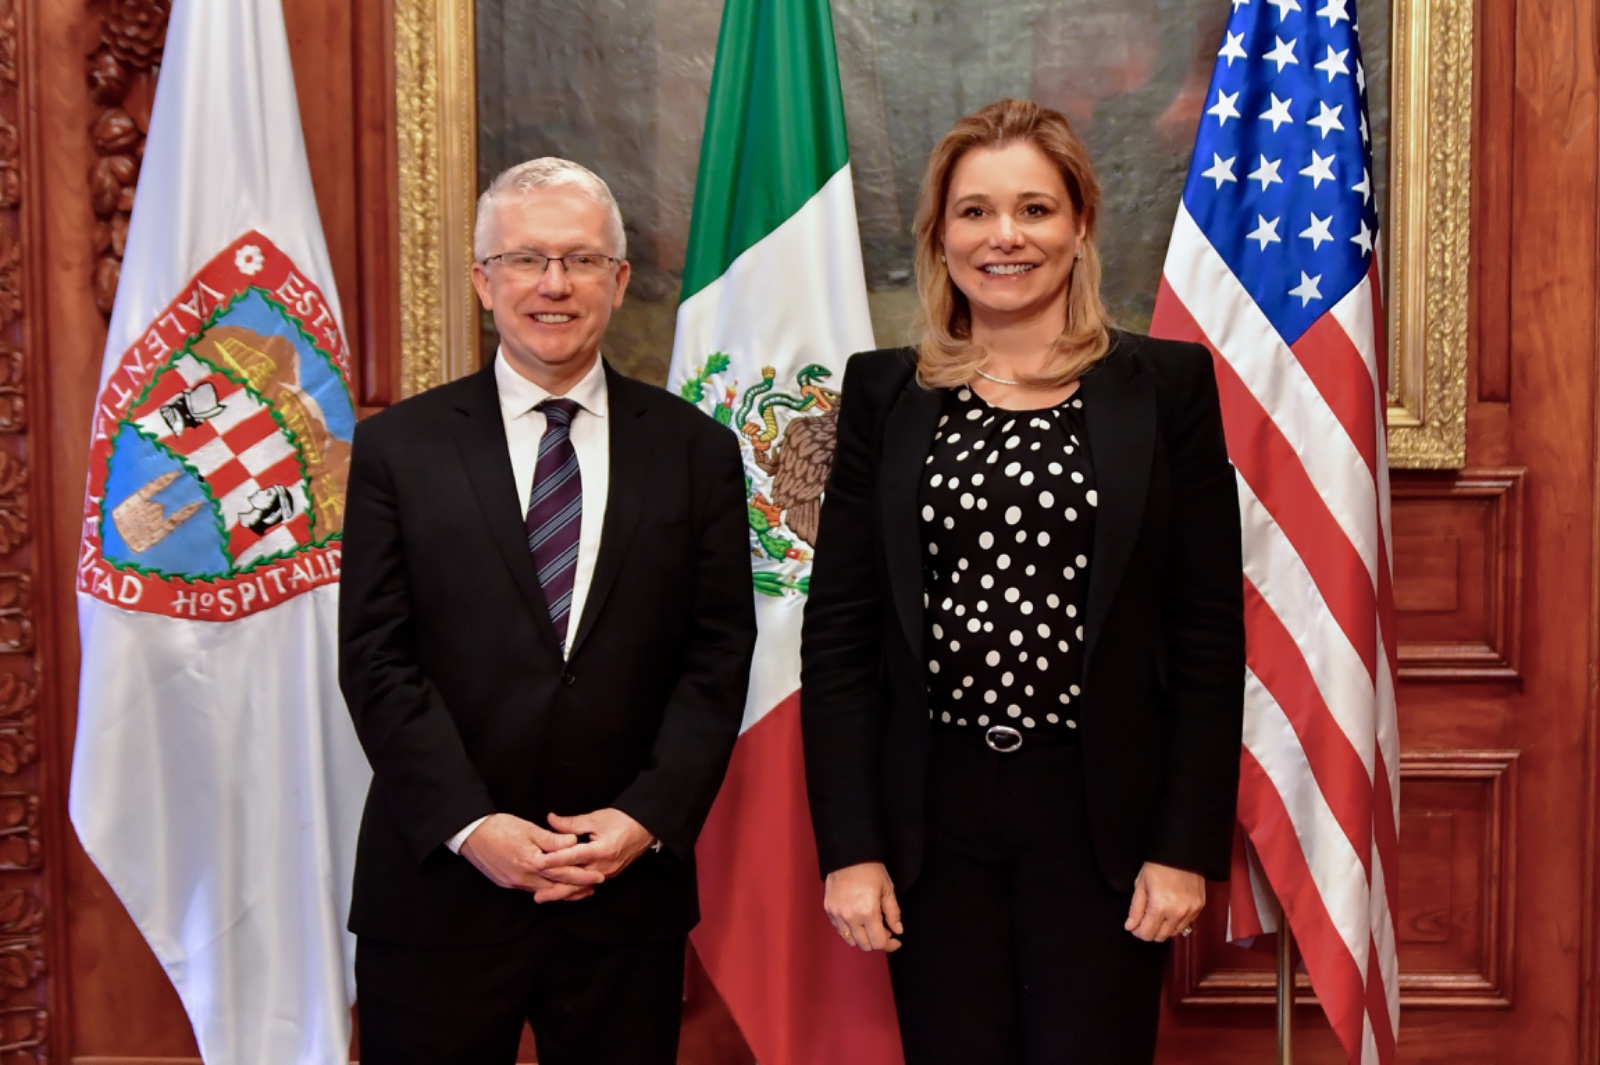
column 546, row 628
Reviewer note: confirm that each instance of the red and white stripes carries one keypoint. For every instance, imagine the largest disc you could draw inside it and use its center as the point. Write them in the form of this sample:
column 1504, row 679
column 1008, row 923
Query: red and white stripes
column 1320, row 764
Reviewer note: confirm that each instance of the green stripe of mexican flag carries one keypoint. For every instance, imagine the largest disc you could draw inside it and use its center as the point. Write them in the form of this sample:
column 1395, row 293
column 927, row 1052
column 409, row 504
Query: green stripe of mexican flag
column 774, row 131
column 774, row 302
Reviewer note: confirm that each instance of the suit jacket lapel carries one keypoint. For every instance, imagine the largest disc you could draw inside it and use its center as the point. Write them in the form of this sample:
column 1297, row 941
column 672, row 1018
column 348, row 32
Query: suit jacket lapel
column 1119, row 406
column 629, row 480
column 481, row 442
column 908, row 433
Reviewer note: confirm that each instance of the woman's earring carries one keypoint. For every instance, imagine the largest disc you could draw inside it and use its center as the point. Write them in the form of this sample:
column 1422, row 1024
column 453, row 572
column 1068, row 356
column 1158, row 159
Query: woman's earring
column 941, row 256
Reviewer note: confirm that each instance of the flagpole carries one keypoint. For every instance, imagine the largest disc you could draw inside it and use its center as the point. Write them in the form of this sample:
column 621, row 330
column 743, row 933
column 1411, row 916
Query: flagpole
column 1285, row 988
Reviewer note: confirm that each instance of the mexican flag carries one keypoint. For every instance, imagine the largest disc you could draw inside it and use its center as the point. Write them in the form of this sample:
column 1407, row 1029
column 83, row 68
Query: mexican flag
column 774, row 301
column 217, row 782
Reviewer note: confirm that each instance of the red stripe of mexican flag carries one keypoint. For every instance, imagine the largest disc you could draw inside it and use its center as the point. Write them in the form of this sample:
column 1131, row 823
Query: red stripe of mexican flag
column 774, row 301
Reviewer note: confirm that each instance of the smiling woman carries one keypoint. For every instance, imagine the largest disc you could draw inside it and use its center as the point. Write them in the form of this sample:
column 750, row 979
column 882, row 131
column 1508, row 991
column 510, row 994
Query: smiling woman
column 1012, row 249
column 1069, row 488
column 1011, row 236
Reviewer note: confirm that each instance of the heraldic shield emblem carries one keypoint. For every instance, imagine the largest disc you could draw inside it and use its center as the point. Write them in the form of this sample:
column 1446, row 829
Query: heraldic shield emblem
column 788, row 431
column 222, row 446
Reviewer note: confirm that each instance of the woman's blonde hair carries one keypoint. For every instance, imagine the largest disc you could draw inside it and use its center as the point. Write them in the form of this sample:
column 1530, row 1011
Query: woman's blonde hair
column 946, row 355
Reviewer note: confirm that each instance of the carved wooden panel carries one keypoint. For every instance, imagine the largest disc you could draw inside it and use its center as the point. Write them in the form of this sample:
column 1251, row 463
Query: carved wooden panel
column 1458, row 575
column 122, row 82
column 1457, row 869
column 24, row 989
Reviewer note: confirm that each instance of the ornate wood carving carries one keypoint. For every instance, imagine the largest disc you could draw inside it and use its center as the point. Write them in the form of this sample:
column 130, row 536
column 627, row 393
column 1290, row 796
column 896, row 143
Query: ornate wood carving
column 122, row 82
column 24, row 1014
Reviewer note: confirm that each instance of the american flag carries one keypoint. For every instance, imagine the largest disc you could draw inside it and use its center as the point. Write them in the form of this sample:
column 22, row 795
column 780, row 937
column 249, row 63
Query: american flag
column 1273, row 265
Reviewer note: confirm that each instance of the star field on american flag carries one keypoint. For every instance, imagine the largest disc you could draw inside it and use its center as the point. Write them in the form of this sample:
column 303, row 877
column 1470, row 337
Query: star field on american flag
column 1286, row 195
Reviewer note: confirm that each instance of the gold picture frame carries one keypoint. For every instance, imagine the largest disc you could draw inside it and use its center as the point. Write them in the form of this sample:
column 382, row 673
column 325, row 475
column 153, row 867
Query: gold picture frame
column 436, row 128
column 1426, row 263
column 1430, row 214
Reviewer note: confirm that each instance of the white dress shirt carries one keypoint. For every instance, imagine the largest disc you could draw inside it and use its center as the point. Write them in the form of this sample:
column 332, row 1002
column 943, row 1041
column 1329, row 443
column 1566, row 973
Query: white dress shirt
column 591, row 440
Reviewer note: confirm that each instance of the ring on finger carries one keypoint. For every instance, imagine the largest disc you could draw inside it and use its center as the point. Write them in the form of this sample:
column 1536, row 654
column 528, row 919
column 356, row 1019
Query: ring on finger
column 847, row 937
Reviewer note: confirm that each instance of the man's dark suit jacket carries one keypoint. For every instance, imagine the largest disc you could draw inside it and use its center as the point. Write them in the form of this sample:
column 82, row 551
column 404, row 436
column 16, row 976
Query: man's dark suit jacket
column 458, row 688
column 1163, row 683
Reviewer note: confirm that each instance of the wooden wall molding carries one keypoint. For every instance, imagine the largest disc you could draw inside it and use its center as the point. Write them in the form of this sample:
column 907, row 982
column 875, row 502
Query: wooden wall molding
column 1453, row 903
column 122, row 83
column 378, row 219
column 1458, row 544
column 1589, row 917
column 25, row 1017
column 1455, row 921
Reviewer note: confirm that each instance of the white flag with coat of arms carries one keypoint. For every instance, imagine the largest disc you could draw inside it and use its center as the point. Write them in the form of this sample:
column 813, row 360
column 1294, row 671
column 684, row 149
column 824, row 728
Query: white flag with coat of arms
column 217, row 782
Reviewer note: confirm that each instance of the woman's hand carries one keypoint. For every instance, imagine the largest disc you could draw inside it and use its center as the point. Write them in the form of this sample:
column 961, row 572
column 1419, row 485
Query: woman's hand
column 1165, row 902
column 861, row 904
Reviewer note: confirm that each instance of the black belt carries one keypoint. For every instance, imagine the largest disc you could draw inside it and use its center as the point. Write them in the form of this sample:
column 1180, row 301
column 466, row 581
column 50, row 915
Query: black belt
column 1004, row 739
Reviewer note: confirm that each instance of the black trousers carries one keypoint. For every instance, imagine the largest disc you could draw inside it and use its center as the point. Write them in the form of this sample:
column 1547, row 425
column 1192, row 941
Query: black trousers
column 1014, row 951
column 588, row 1003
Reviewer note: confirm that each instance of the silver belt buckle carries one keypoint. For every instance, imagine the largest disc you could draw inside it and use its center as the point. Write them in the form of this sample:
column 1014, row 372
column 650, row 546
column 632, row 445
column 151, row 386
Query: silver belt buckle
column 1003, row 738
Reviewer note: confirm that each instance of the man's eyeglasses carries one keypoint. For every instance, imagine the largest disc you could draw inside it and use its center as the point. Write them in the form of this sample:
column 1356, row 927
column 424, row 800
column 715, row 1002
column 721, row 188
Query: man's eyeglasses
column 579, row 266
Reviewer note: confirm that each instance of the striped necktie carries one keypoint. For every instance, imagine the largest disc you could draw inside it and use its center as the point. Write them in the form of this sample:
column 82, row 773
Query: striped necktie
column 555, row 512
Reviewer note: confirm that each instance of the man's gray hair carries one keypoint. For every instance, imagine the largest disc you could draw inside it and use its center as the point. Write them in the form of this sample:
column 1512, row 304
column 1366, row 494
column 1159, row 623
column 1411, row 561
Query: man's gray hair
column 545, row 173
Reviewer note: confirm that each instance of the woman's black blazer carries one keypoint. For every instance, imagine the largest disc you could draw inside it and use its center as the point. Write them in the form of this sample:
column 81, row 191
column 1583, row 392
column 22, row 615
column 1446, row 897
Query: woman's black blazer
column 1163, row 684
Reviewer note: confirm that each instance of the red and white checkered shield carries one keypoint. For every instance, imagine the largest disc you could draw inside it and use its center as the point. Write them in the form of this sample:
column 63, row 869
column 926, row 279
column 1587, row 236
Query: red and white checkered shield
column 249, row 462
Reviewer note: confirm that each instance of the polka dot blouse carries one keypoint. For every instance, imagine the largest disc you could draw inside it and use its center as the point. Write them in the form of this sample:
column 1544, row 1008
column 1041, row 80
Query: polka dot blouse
column 1008, row 503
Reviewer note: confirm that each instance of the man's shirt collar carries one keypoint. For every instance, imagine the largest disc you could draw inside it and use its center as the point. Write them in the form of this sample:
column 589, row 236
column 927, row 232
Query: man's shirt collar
column 518, row 395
